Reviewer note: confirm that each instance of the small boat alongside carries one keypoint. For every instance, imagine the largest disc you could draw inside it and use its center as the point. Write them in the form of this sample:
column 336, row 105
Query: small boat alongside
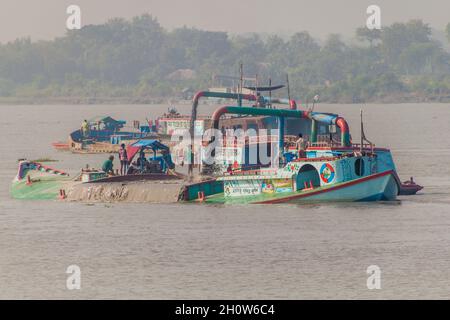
column 409, row 187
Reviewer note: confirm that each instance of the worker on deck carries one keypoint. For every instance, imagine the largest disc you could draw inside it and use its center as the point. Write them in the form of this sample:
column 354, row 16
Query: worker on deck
column 301, row 146
column 123, row 157
column 260, row 102
column 142, row 161
column 85, row 128
column 108, row 165
column 190, row 157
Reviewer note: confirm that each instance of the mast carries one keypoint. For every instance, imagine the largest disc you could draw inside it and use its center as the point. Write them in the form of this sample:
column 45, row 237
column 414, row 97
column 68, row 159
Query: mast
column 241, row 80
column 256, row 87
column 362, row 130
column 270, row 93
column 288, row 87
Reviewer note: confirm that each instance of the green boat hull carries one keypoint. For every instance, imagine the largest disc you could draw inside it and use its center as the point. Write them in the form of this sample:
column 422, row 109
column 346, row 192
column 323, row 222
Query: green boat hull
column 43, row 188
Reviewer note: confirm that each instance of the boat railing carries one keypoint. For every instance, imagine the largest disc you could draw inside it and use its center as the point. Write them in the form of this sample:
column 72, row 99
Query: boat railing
column 252, row 172
column 233, row 141
column 326, row 142
column 365, row 145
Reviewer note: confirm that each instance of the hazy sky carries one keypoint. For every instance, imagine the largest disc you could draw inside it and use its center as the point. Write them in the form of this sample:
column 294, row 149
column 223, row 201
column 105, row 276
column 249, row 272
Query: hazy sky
column 45, row 19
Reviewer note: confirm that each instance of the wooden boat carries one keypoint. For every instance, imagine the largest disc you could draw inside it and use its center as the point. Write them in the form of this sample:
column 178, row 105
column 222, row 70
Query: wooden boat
column 105, row 135
column 61, row 146
column 409, row 187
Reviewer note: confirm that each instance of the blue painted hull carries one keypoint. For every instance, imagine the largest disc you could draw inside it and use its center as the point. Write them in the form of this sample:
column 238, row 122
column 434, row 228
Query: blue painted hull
column 376, row 187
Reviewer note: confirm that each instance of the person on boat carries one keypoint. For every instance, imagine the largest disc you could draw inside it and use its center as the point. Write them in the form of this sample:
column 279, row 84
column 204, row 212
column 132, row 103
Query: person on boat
column 142, row 161
column 230, row 169
column 85, row 128
column 301, row 146
column 108, row 165
column 123, row 157
column 260, row 102
column 190, row 158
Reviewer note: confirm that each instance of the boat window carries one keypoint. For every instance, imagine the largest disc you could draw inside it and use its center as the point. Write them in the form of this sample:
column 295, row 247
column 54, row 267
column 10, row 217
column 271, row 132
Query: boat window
column 323, row 129
column 295, row 126
column 359, row 167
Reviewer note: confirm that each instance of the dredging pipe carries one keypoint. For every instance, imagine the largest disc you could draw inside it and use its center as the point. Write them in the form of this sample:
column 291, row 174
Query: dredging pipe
column 225, row 95
column 345, row 131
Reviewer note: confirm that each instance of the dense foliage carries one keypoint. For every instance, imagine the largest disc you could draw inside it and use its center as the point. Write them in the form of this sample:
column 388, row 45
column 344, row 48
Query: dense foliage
column 138, row 59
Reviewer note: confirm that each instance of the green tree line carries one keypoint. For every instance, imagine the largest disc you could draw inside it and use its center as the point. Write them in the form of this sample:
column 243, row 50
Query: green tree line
column 139, row 59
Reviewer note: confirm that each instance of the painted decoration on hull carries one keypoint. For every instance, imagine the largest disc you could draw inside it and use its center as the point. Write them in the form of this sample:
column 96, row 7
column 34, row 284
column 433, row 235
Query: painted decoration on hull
column 242, row 188
column 255, row 187
column 327, row 173
column 276, row 185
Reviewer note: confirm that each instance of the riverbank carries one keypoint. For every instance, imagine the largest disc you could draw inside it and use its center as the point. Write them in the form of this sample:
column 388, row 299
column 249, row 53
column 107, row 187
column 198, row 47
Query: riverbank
column 81, row 100
column 390, row 99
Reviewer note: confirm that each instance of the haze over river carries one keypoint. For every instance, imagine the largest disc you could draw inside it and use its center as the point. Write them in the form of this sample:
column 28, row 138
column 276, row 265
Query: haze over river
column 228, row 252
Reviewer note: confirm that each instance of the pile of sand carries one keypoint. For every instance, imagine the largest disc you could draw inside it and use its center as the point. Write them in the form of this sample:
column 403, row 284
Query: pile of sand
column 138, row 191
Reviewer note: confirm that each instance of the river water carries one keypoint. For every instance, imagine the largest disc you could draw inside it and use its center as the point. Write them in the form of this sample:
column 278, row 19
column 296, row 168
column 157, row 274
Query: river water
column 229, row 252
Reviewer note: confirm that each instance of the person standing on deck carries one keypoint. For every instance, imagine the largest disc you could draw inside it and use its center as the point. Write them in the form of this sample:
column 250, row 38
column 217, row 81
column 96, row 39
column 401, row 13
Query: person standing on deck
column 107, row 166
column 301, row 146
column 123, row 157
column 190, row 157
column 85, row 128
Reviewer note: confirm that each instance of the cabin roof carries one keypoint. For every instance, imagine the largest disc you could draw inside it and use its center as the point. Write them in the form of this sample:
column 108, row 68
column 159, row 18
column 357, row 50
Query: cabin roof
column 105, row 119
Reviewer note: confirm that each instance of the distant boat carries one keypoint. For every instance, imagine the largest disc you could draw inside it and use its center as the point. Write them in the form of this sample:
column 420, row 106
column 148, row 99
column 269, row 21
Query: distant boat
column 61, row 146
column 105, row 135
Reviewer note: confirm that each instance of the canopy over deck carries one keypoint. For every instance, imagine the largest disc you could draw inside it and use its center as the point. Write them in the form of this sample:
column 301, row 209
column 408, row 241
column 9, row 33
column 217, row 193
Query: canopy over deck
column 106, row 120
column 270, row 88
column 154, row 145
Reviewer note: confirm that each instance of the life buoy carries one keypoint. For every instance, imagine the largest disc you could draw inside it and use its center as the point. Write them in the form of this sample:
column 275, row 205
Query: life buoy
column 327, row 173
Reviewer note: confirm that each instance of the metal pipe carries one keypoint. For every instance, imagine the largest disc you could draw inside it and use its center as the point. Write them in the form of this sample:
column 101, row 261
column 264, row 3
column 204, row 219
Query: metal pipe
column 362, row 131
column 255, row 112
column 313, row 131
column 280, row 135
column 345, row 131
column 208, row 94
